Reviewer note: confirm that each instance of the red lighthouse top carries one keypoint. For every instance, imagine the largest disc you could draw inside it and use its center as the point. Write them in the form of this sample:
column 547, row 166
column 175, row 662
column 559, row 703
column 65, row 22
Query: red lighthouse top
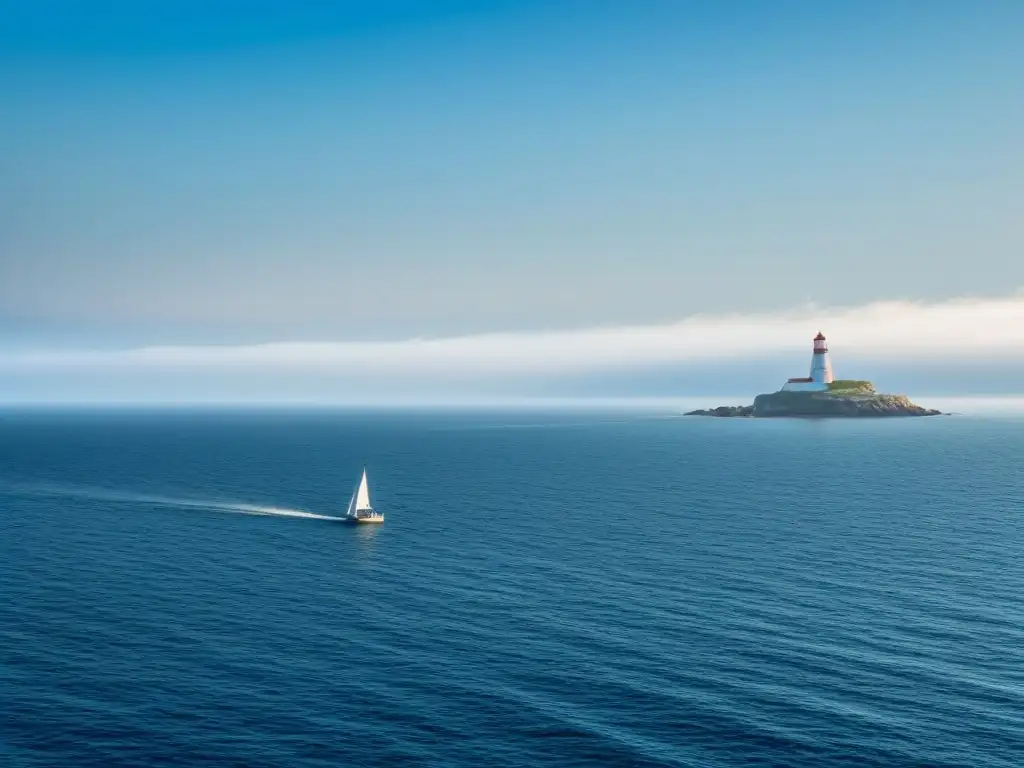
column 820, row 336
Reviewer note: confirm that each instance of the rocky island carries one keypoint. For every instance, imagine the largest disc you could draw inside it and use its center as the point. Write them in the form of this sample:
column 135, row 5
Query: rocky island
column 820, row 394
column 840, row 399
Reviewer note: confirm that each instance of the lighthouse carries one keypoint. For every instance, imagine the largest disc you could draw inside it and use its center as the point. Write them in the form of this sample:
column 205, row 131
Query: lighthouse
column 821, row 370
column 821, row 366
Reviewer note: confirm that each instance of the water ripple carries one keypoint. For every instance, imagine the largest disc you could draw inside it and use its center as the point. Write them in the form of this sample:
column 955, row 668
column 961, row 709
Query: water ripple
column 560, row 591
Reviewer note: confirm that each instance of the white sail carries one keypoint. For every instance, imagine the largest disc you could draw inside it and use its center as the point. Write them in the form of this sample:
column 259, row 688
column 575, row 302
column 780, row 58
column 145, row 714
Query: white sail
column 362, row 497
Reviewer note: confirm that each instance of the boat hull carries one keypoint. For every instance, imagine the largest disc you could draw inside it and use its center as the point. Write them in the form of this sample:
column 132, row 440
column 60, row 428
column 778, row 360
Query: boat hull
column 364, row 520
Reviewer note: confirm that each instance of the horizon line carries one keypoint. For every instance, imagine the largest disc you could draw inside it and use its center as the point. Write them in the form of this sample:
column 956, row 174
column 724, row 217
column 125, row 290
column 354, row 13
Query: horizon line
column 467, row 404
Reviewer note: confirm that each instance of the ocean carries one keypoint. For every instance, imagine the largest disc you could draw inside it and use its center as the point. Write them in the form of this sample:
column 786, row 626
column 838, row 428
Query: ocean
column 588, row 588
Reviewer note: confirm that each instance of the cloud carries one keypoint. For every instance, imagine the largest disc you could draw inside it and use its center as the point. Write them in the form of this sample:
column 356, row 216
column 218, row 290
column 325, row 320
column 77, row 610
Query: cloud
column 960, row 328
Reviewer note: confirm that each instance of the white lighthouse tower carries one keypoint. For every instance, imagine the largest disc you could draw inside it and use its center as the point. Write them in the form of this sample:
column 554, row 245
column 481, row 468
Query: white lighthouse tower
column 821, row 370
column 821, row 366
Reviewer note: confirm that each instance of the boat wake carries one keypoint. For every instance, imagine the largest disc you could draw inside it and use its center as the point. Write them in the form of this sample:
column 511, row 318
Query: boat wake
column 128, row 497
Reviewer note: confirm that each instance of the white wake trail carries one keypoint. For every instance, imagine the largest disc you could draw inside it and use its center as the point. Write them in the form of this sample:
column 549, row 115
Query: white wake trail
column 248, row 509
column 128, row 497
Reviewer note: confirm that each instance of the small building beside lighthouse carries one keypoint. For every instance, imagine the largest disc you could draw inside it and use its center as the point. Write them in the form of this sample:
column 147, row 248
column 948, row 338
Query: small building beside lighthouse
column 821, row 370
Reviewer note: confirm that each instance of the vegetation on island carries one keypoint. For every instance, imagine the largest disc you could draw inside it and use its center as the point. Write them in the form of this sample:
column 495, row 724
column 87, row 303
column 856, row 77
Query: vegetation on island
column 851, row 387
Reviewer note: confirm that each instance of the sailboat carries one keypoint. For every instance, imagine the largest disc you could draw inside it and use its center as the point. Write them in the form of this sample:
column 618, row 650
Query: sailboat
column 360, row 510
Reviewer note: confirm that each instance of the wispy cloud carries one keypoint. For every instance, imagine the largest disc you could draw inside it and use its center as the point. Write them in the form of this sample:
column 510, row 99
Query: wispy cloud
column 961, row 328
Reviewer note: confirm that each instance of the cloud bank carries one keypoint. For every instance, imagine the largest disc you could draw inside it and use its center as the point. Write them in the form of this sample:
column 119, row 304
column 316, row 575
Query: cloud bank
column 961, row 328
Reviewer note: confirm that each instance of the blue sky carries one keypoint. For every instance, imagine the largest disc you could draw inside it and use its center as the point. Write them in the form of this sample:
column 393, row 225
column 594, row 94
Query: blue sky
column 225, row 173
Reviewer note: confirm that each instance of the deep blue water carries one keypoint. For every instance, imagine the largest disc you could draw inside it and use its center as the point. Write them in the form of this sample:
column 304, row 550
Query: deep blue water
column 584, row 589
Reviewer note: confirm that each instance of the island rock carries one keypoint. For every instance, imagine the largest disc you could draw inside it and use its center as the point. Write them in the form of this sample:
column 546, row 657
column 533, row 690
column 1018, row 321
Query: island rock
column 837, row 404
column 843, row 399
column 726, row 411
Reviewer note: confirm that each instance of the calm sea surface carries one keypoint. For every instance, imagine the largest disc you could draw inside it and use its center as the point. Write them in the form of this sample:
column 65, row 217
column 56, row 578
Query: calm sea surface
column 548, row 590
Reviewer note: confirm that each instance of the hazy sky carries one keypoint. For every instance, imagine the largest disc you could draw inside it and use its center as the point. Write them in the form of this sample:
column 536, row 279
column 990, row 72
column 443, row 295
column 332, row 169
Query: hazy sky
column 224, row 172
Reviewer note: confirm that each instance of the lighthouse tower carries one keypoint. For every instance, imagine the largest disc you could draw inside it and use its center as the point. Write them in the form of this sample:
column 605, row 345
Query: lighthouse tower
column 821, row 366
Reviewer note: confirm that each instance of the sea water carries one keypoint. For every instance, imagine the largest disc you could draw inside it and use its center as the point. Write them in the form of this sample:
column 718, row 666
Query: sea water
column 607, row 588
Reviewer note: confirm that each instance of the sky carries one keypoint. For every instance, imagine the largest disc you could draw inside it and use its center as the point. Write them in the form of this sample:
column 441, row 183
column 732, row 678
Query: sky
column 251, row 200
